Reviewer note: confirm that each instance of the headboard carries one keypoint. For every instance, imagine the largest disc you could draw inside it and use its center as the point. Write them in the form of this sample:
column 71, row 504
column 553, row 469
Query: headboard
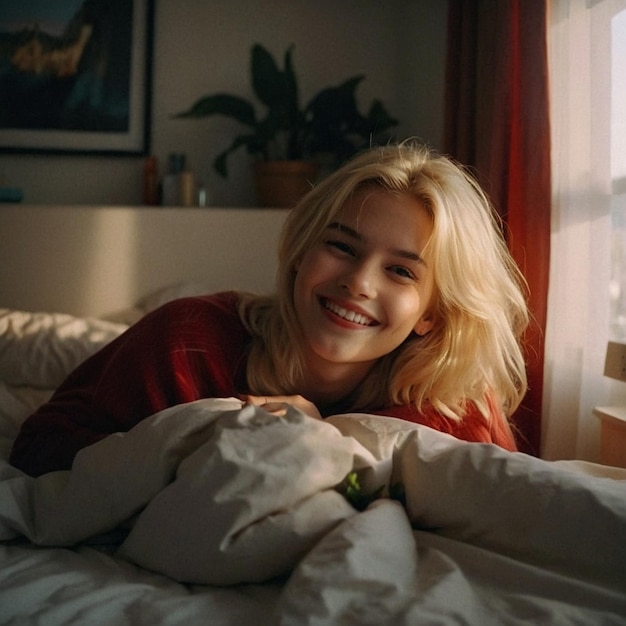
column 92, row 260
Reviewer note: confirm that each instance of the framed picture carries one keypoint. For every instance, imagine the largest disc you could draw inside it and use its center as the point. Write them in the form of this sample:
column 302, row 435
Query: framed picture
column 75, row 76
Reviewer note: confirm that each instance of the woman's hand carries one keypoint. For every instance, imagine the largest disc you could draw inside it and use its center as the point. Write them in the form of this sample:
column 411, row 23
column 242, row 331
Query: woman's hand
column 276, row 404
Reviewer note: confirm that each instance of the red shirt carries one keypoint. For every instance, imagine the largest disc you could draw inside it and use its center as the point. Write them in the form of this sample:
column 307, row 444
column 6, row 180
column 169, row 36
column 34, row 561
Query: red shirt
column 186, row 350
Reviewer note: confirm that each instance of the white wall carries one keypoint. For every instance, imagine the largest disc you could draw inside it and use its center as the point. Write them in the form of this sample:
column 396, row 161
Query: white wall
column 100, row 260
column 202, row 46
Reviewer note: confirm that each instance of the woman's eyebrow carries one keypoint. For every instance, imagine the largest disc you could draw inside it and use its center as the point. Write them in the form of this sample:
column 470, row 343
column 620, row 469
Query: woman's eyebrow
column 345, row 229
column 405, row 254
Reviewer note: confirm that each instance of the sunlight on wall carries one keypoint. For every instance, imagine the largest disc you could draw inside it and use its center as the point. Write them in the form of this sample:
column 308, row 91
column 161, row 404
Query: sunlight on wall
column 109, row 281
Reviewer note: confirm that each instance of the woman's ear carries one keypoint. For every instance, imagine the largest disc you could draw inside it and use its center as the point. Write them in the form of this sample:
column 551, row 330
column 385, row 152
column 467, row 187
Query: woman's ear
column 425, row 324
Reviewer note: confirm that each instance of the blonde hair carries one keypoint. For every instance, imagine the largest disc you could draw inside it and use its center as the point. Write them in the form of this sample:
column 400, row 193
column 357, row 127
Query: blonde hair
column 473, row 353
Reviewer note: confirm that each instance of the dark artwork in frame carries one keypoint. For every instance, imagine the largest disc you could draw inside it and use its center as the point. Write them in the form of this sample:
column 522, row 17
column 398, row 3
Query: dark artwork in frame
column 75, row 76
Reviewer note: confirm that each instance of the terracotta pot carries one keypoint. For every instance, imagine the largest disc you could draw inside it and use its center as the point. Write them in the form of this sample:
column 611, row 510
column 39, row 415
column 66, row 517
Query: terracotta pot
column 283, row 183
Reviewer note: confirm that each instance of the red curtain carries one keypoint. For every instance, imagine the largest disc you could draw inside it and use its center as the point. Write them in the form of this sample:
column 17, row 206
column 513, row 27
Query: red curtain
column 497, row 122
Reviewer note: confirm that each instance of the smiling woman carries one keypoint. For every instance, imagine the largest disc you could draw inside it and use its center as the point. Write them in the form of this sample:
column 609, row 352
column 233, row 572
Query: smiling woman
column 396, row 296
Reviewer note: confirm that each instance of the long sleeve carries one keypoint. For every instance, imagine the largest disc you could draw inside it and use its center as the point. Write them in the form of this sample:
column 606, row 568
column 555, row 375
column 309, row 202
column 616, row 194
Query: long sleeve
column 186, row 350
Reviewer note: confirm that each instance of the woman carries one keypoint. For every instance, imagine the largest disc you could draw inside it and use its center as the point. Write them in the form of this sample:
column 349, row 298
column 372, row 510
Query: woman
column 396, row 295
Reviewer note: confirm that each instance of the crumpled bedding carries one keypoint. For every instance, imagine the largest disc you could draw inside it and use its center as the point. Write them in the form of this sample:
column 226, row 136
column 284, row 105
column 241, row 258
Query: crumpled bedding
column 220, row 494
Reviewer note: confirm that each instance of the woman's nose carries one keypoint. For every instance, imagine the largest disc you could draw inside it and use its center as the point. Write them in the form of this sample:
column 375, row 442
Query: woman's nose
column 361, row 280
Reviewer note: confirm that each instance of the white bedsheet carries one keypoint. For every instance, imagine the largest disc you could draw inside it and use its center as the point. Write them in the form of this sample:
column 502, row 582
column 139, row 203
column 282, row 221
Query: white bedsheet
column 235, row 518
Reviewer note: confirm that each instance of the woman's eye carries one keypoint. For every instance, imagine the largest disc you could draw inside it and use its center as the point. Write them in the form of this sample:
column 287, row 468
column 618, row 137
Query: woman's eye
column 341, row 246
column 403, row 272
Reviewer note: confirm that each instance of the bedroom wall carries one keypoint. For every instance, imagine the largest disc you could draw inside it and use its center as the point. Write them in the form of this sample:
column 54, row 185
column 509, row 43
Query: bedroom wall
column 203, row 47
column 95, row 261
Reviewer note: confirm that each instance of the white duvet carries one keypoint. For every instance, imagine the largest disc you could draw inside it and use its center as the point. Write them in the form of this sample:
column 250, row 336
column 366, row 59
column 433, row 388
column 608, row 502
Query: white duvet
column 211, row 512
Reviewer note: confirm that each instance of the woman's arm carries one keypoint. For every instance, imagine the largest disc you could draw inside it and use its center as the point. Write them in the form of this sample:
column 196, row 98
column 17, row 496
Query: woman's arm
column 186, row 350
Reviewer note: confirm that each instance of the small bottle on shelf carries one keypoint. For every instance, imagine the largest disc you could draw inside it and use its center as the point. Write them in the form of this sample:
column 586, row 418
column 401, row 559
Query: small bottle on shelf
column 150, row 181
column 178, row 184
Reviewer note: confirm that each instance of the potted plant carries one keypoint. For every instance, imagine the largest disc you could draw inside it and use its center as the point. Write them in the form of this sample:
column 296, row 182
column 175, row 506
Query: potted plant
column 288, row 136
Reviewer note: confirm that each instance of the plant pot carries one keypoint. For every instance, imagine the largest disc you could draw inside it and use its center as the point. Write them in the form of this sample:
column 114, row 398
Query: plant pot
column 283, row 183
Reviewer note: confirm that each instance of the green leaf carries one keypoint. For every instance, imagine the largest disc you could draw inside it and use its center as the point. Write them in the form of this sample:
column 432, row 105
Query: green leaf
column 379, row 119
column 353, row 492
column 220, row 164
column 335, row 105
column 291, row 95
column 275, row 88
column 222, row 104
column 267, row 79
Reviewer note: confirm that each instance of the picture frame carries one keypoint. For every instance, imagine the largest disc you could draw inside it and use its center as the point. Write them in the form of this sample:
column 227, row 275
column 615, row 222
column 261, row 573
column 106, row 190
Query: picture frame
column 76, row 77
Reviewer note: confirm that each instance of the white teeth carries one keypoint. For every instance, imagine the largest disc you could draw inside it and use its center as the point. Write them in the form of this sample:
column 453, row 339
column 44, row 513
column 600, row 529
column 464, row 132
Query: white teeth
column 351, row 316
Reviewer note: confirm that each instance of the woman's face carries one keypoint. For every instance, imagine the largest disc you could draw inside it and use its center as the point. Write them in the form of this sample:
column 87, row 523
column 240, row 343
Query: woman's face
column 365, row 286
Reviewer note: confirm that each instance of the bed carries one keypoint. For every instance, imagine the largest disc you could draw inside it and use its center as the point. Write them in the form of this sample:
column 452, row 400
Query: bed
column 218, row 512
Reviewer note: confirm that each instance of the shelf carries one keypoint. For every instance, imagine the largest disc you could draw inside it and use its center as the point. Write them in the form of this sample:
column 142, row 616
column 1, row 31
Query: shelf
column 616, row 414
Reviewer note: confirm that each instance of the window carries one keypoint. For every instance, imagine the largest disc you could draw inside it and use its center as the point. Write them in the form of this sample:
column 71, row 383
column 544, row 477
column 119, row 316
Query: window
column 587, row 291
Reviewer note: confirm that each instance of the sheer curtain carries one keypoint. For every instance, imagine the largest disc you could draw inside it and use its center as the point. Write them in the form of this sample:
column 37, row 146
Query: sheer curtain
column 579, row 35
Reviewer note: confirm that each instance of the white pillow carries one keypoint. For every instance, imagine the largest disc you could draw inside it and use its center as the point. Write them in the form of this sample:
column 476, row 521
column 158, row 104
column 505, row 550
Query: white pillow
column 40, row 349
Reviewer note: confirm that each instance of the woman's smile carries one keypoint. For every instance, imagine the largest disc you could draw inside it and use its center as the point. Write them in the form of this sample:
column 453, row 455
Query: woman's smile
column 348, row 314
